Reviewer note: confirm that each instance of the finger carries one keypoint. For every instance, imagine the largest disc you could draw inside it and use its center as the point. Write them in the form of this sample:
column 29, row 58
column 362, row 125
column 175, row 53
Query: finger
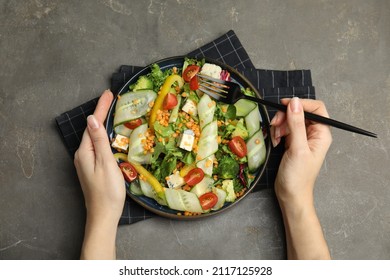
column 310, row 105
column 99, row 139
column 277, row 132
column 317, row 134
column 86, row 143
column 275, row 141
column 296, row 124
column 100, row 114
column 278, row 119
column 103, row 105
column 84, row 154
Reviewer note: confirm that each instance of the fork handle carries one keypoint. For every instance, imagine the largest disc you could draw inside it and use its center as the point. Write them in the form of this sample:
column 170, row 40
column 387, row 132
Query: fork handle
column 314, row 117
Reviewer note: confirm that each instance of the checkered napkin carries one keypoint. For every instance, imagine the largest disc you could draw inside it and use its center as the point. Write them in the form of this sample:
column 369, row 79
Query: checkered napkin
column 273, row 85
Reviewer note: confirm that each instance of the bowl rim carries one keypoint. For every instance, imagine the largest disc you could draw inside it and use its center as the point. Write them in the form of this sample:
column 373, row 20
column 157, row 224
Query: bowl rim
column 262, row 108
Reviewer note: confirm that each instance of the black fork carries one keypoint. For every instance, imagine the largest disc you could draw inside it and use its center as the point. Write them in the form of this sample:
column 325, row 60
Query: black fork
column 229, row 93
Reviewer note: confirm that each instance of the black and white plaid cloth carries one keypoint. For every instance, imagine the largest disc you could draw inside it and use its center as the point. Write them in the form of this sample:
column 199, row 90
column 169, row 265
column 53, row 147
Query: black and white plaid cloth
column 273, row 85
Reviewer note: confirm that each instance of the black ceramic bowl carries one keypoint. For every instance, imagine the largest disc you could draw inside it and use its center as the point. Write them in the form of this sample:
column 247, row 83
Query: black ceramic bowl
column 150, row 203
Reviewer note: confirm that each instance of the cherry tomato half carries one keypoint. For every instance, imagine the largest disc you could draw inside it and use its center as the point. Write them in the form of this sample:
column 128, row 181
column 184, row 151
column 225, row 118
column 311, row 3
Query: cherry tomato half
column 194, row 83
column 128, row 171
column 133, row 124
column 170, row 101
column 190, row 72
column 194, row 176
column 208, row 200
column 238, row 147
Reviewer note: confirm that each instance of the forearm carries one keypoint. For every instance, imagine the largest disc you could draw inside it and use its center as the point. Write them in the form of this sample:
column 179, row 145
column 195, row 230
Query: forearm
column 99, row 239
column 305, row 239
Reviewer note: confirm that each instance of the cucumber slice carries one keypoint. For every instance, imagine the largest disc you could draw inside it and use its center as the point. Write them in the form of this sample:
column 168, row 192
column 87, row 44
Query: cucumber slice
column 148, row 191
column 136, row 149
column 133, row 105
column 207, row 164
column 221, row 198
column 244, row 107
column 191, row 202
column 206, row 110
column 123, row 130
column 253, row 121
column 183, row 201
column 140, row 159
column 208, row 144
column 256, row 151
column 175, row 111
column 203, row 186
column 135, row 188
column 174, row 200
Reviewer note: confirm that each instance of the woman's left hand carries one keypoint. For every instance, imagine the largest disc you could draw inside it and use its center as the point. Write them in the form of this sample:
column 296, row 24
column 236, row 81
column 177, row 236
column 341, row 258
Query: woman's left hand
column 102, row 184
column 100, row 177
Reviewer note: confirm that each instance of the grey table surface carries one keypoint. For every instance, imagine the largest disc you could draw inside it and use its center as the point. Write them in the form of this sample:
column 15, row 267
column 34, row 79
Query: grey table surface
column 55, row 55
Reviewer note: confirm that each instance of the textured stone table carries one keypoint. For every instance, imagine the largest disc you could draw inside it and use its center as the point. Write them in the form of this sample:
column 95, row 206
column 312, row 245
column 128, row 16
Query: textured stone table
column 55, row 55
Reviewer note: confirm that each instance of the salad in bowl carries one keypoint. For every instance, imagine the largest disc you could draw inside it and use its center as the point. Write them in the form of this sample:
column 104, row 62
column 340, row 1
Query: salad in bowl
column 183, row 154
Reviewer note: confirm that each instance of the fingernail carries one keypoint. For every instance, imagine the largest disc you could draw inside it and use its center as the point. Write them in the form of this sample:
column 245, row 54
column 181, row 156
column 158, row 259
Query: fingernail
column 296, row 106
column 277, row 132
column 275, row 136
column 108, row 91
column 274, row 119
column 92, row 122
column 275, row 141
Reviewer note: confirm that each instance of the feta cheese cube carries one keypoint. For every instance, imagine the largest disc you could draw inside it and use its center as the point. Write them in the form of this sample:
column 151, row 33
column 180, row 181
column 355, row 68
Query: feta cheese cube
column 190, row 108
column 175, row 181
column 186, row 140
column 211, row 70
column 120, row 143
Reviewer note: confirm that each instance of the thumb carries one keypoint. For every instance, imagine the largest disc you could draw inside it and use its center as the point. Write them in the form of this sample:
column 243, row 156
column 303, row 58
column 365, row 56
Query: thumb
column 296, row 124
column 99, row 138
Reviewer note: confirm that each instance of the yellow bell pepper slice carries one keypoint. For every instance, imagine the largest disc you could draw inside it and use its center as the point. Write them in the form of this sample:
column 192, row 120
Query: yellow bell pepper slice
column 186, row 169
column 120, row 156
column 158, row 188
column 158, row 103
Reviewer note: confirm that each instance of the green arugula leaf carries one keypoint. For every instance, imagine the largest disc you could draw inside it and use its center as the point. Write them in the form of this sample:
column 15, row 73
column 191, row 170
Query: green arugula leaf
column 189, row 158
column 167, row 166
column 163, row 131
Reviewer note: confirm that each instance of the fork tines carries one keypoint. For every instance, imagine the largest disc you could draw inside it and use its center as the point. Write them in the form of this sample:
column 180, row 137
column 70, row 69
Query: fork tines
column 213, row 87
column 207, row 79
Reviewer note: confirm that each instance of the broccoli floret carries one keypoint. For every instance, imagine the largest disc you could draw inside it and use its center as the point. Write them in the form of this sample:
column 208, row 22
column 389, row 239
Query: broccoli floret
column 228, row 168
column 247, row 91
column 156, row 72
column 191, row 61
column 158, row 76
column 237, row 185
column 143, row 82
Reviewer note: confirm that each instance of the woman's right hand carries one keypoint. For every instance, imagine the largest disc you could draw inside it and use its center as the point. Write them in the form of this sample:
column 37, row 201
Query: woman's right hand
column 306, row 146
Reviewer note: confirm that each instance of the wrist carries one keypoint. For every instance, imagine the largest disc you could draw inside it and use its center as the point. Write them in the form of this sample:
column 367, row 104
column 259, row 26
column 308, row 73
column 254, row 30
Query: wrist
column 99, row 238
column 103, row 213
column 294, row 197
column 305, row 239
column 102, row 220
column 297, row 210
